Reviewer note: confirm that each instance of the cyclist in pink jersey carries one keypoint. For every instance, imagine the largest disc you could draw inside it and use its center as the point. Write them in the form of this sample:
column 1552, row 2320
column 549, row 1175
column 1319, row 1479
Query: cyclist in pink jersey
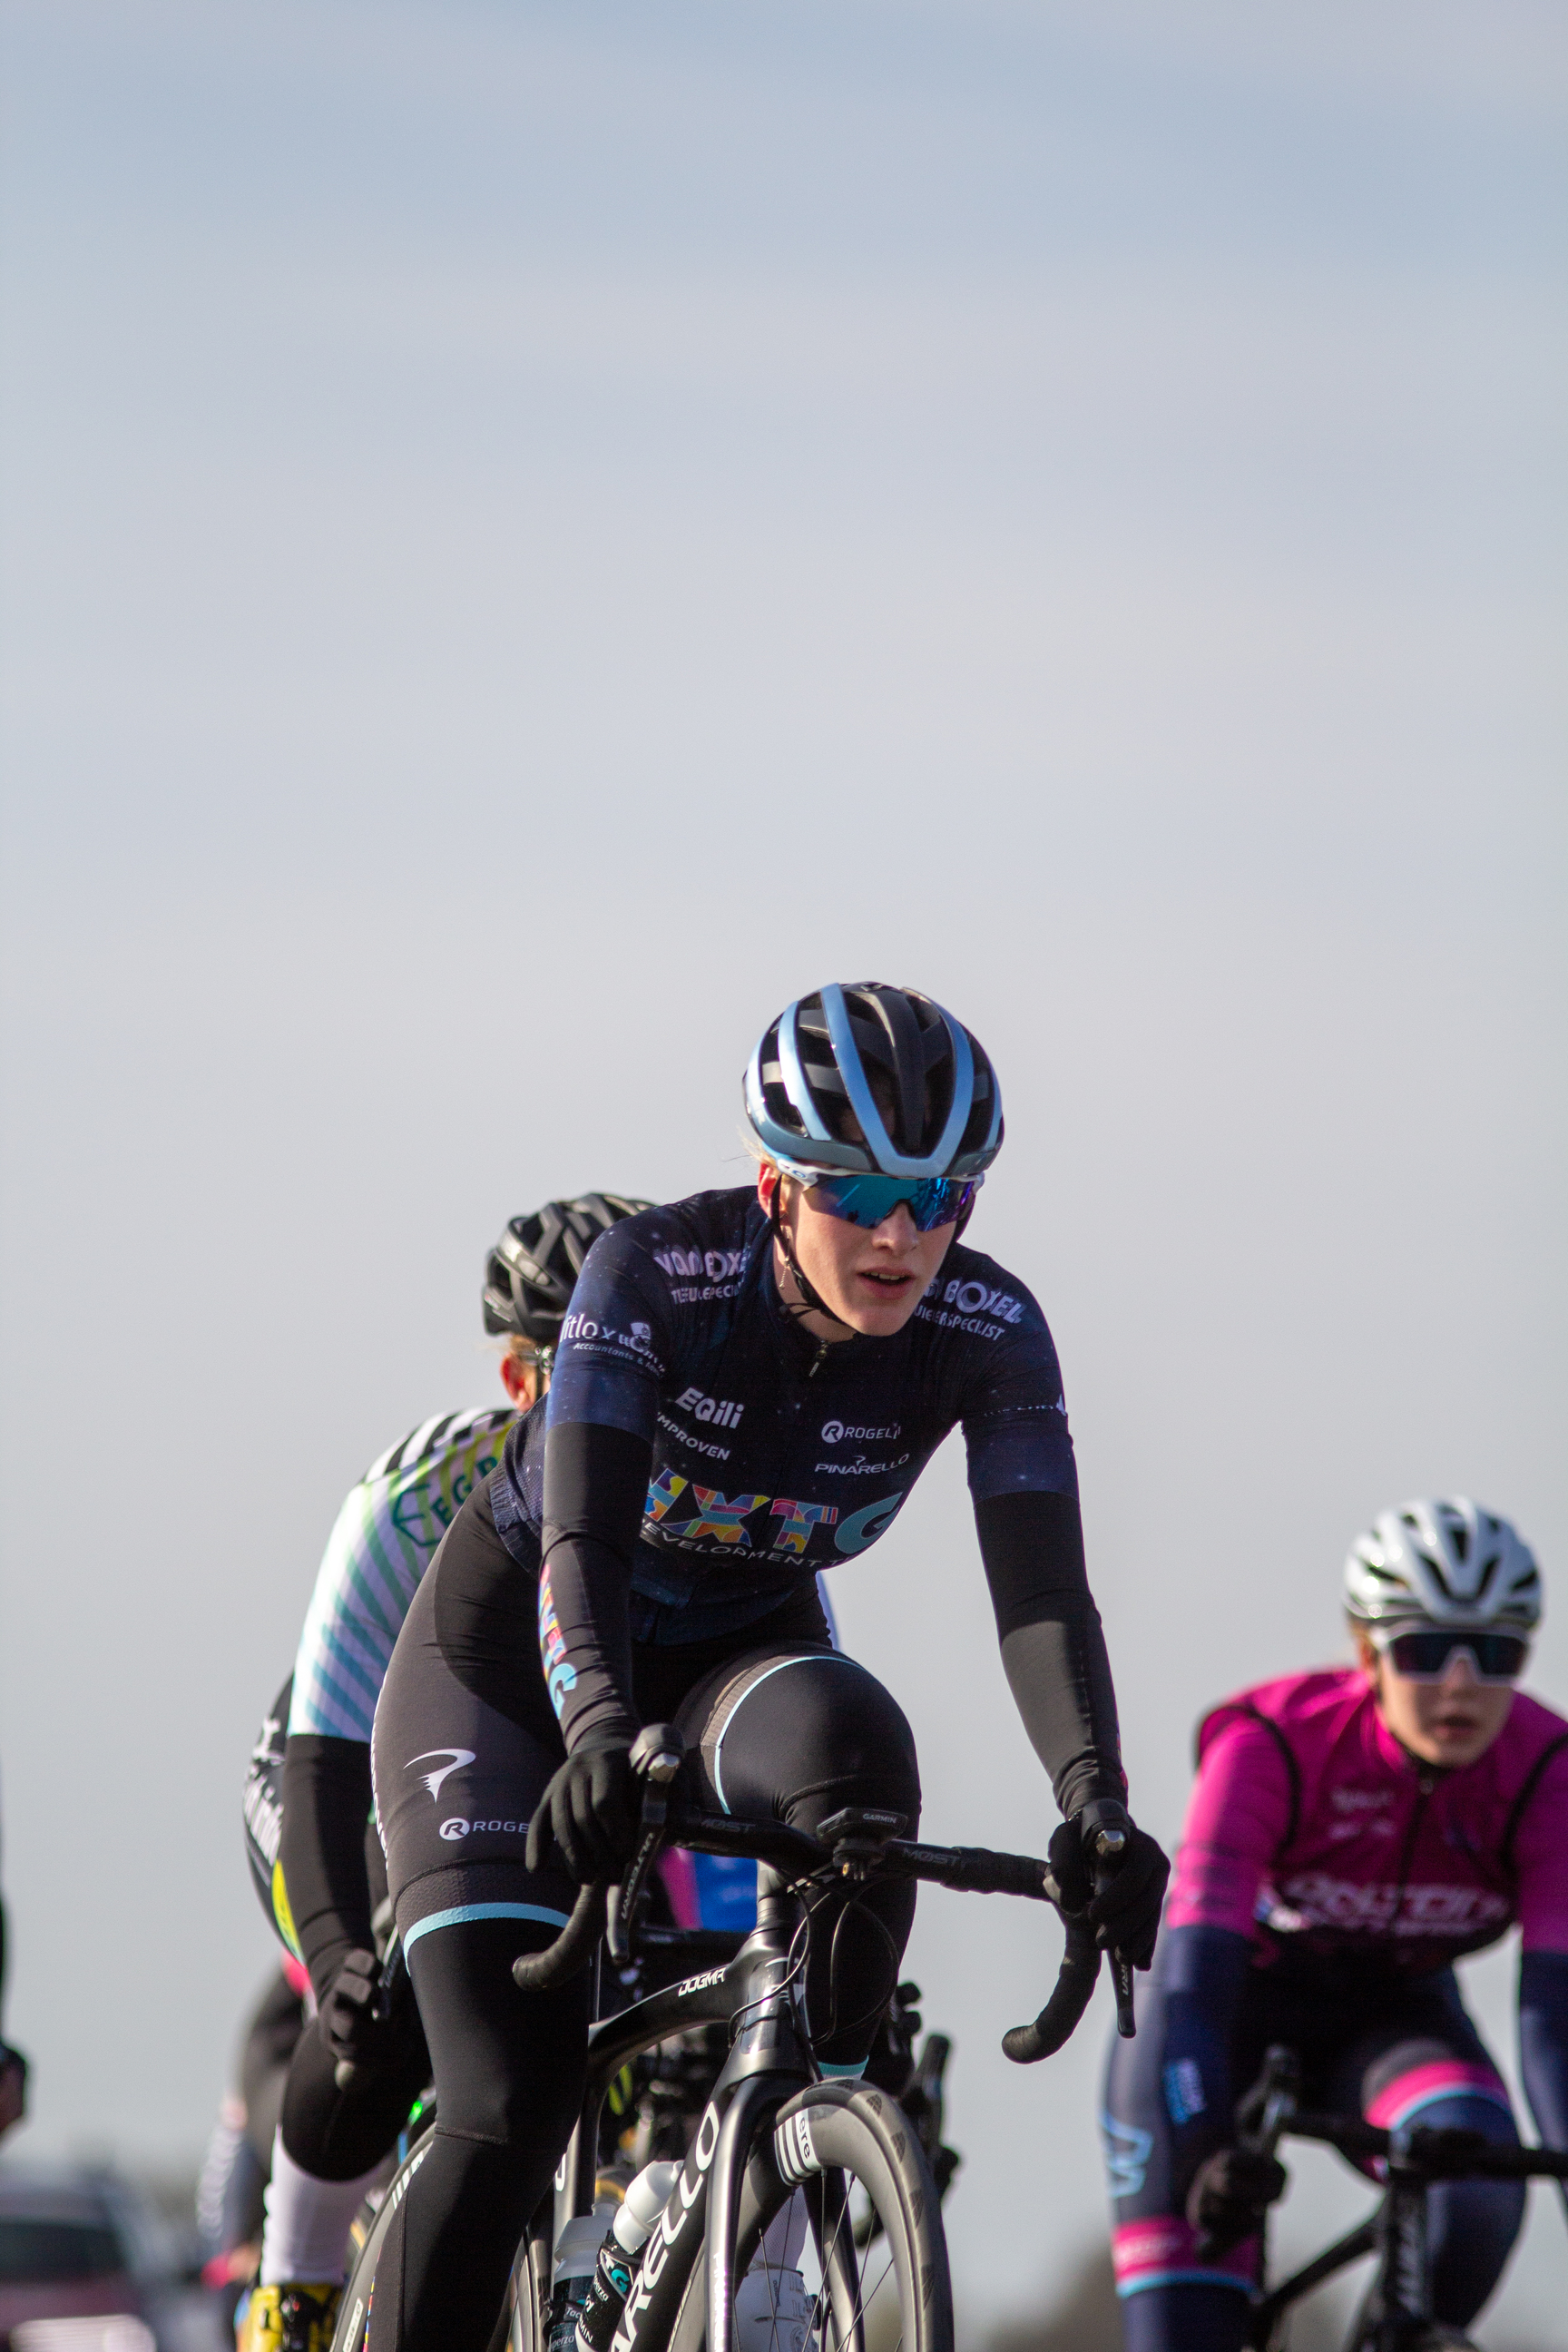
column 1351, row 1833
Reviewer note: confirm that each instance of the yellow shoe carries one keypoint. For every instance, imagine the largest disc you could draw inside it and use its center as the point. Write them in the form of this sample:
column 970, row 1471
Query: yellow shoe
column 290, row 2319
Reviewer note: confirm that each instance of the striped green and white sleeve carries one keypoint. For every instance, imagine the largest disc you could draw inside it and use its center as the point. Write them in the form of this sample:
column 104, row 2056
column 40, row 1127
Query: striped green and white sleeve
column 384, row 1539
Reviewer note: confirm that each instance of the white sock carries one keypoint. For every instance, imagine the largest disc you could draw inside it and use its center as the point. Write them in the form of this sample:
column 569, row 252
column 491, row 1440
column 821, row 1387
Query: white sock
column 305, row 2241
column 784, row 2236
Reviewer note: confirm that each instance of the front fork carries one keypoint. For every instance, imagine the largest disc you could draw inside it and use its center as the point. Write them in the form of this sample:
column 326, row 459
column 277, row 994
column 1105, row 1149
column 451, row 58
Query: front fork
column 768, row 2062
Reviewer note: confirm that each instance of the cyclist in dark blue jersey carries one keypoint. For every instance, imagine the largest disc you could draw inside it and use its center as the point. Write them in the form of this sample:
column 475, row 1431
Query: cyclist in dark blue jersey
column 747, row 1387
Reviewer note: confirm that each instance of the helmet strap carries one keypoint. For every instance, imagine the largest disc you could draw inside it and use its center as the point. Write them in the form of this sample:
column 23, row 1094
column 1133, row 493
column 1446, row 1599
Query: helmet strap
column 814, row 1302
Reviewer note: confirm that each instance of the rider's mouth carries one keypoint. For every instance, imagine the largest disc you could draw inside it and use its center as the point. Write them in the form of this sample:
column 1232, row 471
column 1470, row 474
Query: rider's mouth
column 890, row 1284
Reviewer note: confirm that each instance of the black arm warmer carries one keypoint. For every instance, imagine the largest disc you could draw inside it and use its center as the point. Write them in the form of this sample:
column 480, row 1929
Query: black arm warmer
column 1053, row 1646
column 326, row 1801
column 595, row 1483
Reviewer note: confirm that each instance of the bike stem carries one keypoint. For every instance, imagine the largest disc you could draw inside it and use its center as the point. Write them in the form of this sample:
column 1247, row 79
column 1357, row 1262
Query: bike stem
column 1401, row 2299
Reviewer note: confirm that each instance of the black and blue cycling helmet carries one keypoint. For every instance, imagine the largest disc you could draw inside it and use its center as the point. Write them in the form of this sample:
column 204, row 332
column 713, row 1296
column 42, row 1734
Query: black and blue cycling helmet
column 531, row 1271
column 861, row 1078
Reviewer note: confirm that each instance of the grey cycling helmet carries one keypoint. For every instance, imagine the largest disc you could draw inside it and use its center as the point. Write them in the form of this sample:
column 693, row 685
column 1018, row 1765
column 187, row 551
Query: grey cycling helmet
column 531, row 1271
column 862, row 1079
column 1444, row 1560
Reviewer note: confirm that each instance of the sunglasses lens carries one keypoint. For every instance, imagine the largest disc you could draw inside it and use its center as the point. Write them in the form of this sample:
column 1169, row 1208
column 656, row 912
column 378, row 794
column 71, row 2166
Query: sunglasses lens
column 1425, row 1656
column 1500, row 1656
column 931, row 1200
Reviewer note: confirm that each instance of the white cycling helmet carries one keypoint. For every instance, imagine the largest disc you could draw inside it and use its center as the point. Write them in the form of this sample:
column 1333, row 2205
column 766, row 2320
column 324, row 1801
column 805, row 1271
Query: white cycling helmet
column 1445, row 1560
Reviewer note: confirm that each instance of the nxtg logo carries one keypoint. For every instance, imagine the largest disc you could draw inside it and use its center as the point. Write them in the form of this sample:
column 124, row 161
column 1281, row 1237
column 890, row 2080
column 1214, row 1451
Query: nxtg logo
column 717, row 1265
column 977, row 1298
column 835, row 1432
column 720, row 1410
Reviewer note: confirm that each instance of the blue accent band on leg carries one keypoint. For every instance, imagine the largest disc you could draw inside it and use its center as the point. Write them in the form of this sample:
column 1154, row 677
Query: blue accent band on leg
column 464, row 1912
column 1182, row 2278
column 832, row 2074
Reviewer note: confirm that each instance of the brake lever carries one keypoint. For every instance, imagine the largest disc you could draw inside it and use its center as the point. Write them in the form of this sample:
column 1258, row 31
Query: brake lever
column 655, row 1759
column 1109, row 1848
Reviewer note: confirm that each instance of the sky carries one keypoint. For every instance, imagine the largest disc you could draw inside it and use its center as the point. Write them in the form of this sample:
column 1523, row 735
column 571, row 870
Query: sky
column 534, row 535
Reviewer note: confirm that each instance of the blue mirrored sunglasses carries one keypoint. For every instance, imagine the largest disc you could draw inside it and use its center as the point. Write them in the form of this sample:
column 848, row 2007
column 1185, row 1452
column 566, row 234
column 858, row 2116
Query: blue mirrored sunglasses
column 931, row 1200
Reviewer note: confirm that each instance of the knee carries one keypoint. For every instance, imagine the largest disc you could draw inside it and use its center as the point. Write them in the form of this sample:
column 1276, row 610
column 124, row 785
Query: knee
column 1486, row 2215
column 853, row 1743
column 1198, row 2318
column 508, row 2066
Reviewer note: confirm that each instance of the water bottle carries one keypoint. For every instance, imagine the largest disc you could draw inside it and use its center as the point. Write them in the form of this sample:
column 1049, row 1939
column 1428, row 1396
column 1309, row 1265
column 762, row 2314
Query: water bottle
column 644, row 2201
column 773, row 2311
column 575, row 2254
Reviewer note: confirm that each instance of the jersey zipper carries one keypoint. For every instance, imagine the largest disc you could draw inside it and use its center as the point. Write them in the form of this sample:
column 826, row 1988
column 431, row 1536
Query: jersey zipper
column 1425, row 1785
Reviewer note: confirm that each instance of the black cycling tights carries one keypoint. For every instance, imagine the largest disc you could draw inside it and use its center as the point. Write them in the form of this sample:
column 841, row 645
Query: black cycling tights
column 510, row 2070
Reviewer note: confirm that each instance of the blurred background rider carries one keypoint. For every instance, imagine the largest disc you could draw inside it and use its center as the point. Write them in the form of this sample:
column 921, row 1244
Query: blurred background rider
column 1352, row 1832
column 315, row 1854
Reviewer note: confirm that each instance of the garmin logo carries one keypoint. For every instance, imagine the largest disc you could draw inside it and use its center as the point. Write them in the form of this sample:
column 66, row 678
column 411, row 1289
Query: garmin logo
column 854, row 1433
column 722, row 1412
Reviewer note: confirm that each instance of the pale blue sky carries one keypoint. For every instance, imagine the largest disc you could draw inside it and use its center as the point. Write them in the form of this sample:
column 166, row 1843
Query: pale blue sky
column 533, row 534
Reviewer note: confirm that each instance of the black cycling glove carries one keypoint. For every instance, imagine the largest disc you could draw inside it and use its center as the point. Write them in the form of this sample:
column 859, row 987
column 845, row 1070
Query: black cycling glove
column 1126, row 1911
column 590, row 1814
column 1231, row 2191
column 350, row 2020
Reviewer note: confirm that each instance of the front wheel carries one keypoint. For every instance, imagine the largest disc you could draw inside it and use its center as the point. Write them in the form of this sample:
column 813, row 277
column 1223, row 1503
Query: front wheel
column 853, row 2155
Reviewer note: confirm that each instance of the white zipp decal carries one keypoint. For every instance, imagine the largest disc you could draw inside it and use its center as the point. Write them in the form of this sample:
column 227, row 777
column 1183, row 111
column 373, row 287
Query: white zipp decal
column 793, row 2152
column 401, row 2191
column 667, row 2230
column 354, row 2336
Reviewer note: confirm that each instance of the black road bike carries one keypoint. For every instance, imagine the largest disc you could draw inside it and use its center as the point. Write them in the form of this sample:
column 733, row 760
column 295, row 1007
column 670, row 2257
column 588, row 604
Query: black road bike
column 1396, row 2313
column 772, row 2129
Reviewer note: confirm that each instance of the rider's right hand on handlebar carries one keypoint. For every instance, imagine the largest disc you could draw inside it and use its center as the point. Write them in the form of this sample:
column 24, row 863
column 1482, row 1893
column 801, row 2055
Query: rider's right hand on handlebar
column 589, row 1813
column 1231, row 2191
column 1125, row 1911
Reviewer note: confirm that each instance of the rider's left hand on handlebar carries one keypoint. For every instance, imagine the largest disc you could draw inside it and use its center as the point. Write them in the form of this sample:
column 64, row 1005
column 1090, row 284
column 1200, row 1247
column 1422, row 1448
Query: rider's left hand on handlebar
column 1126, row 1910
column 1231, row 2191
column 351, row 2023
column 589, row 1813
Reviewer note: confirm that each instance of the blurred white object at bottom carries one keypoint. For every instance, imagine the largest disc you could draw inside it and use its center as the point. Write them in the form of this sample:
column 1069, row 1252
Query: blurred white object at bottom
column 116, row 2331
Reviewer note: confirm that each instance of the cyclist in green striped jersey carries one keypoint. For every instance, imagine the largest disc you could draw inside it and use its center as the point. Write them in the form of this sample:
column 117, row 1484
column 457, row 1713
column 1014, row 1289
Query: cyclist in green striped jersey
column 318, row 1868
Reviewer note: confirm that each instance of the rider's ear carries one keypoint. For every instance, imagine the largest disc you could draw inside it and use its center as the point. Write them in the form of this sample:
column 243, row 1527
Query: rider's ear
column 767, row 1183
